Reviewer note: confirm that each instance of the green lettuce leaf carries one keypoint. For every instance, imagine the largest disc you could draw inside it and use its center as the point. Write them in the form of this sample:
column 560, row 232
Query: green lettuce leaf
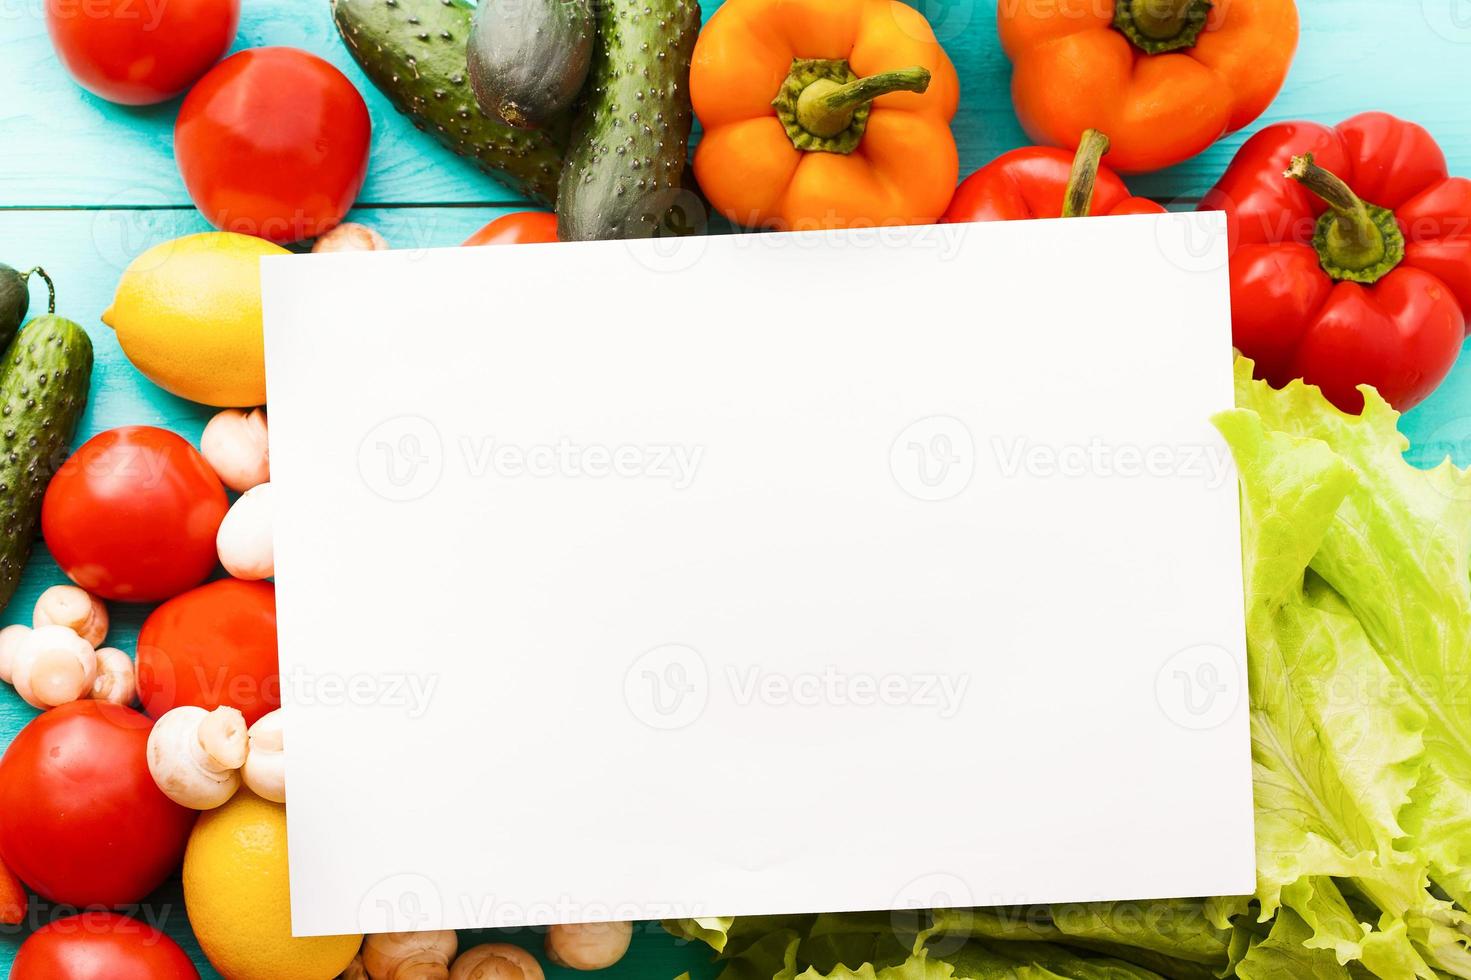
column 1286, row 955
column 1334, row 753
column 1399, row 552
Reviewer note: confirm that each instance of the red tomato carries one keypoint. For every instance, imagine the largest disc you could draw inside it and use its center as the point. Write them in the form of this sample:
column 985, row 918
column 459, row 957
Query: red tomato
column 133, row 515
column 274, row 142
column 81, row 821
column 138, row 52
column 521, row 228
column 212, row 646
column 100, row 946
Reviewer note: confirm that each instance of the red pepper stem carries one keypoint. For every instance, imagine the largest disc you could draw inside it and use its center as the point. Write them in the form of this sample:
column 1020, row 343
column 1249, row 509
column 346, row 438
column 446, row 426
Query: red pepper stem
column 1354, row 239
column 50, row 287
column 1077, row 200
column 825, row 108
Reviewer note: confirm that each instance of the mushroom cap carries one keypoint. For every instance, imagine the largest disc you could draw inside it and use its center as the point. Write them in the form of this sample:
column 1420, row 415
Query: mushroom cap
column 53, row 666
column 496, row 961
column 245, row 540
column 589, row 945
column 10, row 638
column 194, row 755
column 236, row 445
column 410, row 955
column 351, row 237
column 117, row 678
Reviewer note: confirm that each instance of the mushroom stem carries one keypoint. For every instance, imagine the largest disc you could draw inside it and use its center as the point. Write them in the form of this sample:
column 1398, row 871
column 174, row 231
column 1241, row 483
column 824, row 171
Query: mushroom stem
column 74, row 608
column 265, row 765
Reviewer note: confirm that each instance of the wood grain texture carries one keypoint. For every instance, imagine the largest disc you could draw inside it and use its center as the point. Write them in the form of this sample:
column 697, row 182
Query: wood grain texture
column 63, row 147
column 85, row 187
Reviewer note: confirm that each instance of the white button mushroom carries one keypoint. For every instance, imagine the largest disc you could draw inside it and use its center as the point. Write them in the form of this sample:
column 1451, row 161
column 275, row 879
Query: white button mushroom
column 10, row 638
column 590, row 946
column 245, row 543
column 52, row 666
column 236, row 446
column 351, row 237
column 496, row 961
column 74, row 608
column 195, row 755
column 265, row 764
column 409, row 955
column 117, row 681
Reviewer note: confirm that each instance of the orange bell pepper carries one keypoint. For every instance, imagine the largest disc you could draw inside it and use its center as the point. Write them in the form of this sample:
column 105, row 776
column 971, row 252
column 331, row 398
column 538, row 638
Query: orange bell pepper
column 12, row 898
column 1164, row 78
column 824, row 114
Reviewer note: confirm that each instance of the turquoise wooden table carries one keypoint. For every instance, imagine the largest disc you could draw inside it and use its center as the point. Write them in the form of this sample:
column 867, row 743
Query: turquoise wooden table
column 85, row 186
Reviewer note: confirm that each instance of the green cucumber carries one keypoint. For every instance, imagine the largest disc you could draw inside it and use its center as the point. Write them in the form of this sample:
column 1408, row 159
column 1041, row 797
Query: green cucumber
column 43, row 391
column 415, row 52
column 15, row 300
column 529, row 58
column 631, row 137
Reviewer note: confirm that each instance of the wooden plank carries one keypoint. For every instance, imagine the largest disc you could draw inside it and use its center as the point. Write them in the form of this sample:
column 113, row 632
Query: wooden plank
column 63, row 147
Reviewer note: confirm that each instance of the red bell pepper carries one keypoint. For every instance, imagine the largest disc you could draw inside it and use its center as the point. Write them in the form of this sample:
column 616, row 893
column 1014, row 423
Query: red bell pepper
column 1046, row 182
column 1350, row 257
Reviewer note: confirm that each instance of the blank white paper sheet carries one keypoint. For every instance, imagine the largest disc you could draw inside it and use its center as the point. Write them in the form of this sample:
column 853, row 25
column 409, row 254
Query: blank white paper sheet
column 760, row 573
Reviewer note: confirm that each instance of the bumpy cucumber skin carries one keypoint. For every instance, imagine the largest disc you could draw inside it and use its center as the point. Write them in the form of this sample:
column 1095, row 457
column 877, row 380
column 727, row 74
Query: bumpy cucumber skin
column 529, row 58
column 43, row 392
column 631, row 136
column 415, row 52
column 15, row 300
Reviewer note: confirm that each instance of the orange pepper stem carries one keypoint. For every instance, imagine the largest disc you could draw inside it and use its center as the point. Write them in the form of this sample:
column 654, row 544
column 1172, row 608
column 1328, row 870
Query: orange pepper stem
column 1160, row 26
column 50, row 287
column 824, row 106
column 1356, row 241
column 1077, row 200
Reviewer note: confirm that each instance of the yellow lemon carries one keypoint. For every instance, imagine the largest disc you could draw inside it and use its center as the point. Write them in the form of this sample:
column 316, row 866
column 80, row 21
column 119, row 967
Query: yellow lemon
column 187, row 314
column 235, row 889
